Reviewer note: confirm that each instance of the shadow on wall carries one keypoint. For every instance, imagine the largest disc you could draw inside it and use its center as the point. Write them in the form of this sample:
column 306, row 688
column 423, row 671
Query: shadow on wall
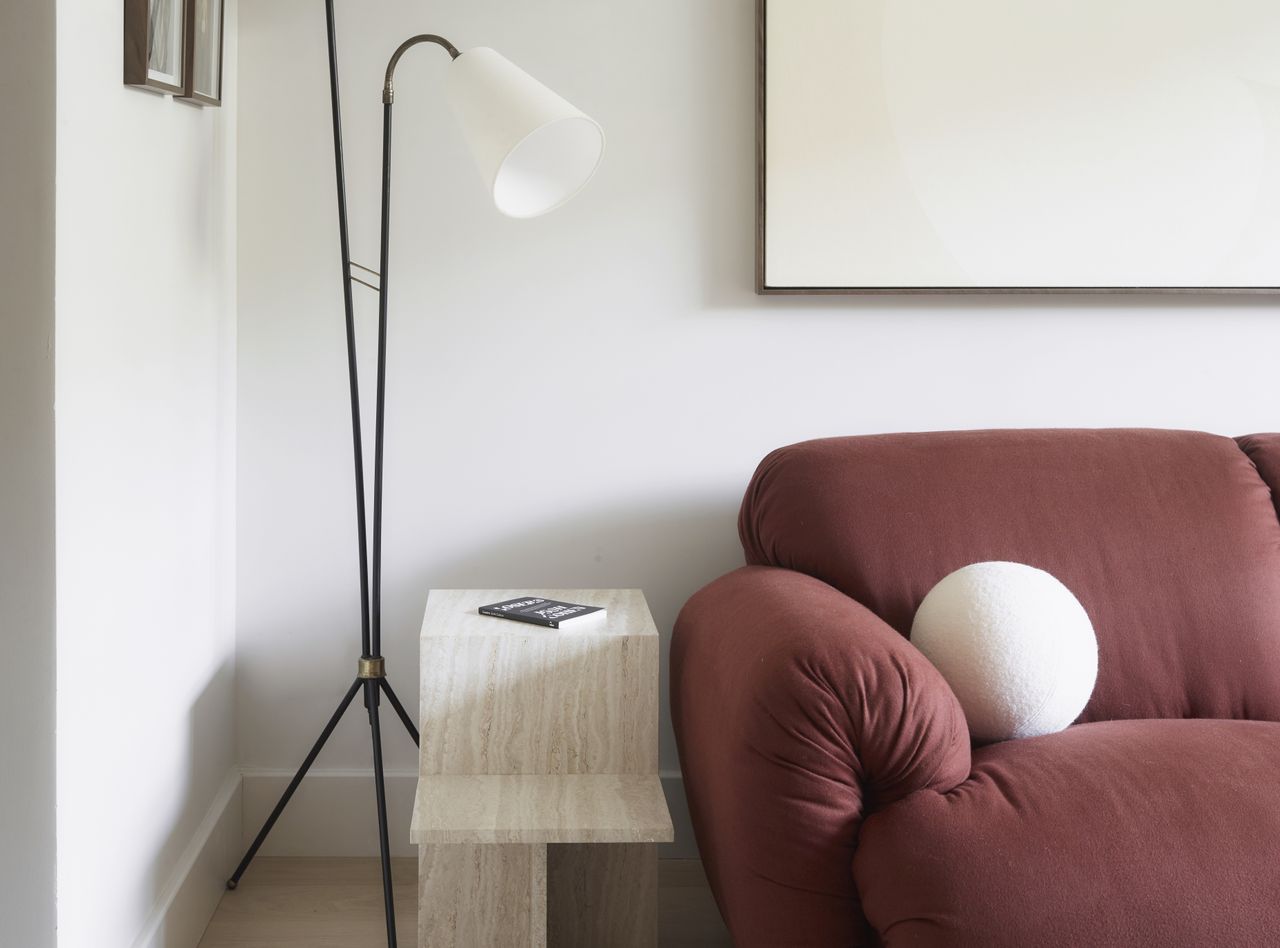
column 668, row 550
column 208, row 759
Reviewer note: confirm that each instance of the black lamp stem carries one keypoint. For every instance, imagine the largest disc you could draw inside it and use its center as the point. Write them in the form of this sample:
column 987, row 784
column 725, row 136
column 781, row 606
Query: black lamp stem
column 380, row 417
column 353, row 373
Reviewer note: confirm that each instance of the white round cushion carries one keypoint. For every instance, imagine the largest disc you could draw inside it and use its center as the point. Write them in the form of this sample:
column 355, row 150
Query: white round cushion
column 1014, row 644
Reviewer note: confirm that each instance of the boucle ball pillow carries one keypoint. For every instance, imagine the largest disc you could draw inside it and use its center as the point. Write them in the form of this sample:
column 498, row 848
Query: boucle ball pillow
column 1014, row 644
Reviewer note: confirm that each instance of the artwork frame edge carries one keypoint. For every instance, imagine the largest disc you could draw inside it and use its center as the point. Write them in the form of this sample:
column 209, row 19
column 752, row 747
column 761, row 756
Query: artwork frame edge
column 763, row 288
column 137, row 25
column 189, row 93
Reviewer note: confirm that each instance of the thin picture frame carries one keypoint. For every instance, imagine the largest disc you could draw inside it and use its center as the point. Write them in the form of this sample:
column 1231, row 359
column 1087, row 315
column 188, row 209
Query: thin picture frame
column 155, row 45
column 205, row 26
column 764, row 288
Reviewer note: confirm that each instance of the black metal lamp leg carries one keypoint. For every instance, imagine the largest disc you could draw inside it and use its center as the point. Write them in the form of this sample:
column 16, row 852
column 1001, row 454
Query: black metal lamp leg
column 293, row 785
column 371, row 678
column 380, row 787
column 404, row 715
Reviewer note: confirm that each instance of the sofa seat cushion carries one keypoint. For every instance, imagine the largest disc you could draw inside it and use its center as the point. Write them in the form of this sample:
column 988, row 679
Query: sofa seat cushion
column 1120, row 833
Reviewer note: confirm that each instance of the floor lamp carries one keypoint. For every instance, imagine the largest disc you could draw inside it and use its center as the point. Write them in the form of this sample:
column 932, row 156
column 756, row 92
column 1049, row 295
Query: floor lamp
column 535, row 151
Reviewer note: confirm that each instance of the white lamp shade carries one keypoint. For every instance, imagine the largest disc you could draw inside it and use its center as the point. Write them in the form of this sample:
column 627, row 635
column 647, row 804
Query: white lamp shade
column 534, row 150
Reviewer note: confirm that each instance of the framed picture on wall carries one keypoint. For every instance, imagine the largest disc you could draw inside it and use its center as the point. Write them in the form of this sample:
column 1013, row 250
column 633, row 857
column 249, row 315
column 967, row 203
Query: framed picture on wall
column 155, row 44
column 1104, row 146
column 204, row 52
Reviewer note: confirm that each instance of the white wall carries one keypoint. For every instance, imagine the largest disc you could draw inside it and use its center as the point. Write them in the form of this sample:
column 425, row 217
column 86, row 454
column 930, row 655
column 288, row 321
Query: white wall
column 27, row 852
column 580, row 399
column 145, row 438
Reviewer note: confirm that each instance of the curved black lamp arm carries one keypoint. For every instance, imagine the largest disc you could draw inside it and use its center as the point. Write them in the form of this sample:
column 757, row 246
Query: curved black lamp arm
column 388, row 96
column 388, row 92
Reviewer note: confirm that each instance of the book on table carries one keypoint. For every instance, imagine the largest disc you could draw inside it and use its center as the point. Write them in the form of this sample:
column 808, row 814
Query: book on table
column 548, row 613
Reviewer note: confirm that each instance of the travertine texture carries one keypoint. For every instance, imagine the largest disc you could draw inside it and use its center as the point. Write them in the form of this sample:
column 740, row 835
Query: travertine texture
column 531, row 808
column 504, row 697
column 533, row 736
column 602, row 895
column 473, row 896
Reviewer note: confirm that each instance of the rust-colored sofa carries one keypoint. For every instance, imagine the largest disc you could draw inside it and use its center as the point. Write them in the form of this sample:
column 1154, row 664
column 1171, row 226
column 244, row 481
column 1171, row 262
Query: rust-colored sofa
column 835, row 795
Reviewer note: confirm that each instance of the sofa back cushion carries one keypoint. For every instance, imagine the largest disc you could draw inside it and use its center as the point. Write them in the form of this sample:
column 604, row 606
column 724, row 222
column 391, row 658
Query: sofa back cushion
column 1170, row 539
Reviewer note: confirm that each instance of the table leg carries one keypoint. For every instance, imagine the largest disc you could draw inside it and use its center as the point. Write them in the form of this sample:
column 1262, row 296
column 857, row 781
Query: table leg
column 482, row 896
column 602, row 894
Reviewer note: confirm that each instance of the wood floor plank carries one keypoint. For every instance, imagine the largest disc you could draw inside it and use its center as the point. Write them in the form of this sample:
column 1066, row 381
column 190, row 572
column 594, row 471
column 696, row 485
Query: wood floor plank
column 267, row 872
column 337, row 903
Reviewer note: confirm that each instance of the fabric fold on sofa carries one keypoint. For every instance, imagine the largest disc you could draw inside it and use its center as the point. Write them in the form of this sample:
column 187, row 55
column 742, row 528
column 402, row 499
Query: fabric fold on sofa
column 1156, row 832
column 797, row 712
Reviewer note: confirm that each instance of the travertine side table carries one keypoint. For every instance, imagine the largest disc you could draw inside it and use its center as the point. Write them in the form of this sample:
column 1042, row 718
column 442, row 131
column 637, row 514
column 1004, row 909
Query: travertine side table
column 539, row 803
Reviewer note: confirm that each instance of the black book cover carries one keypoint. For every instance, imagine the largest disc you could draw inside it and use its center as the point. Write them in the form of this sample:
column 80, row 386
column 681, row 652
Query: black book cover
column 549, row 613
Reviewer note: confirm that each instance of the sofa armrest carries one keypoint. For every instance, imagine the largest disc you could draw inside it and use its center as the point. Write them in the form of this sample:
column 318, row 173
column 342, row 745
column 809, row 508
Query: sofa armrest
column 797, row 712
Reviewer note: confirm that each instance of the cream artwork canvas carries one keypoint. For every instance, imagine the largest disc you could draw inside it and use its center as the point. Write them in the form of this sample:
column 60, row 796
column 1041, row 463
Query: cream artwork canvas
column 1019, row 145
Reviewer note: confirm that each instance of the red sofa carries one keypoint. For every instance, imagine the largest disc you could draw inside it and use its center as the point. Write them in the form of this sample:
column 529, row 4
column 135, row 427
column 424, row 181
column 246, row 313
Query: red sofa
column 834, row 792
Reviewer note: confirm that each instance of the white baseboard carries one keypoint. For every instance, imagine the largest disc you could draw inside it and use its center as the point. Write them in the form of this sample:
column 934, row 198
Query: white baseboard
column 333, row 813
column 188, row 899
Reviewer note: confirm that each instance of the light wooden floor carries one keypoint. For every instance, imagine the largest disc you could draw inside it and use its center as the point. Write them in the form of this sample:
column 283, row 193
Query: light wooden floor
column 337, row 903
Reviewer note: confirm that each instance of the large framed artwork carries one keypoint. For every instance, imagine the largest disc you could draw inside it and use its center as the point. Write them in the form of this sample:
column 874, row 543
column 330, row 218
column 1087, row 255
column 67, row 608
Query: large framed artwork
column 1019, row 146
